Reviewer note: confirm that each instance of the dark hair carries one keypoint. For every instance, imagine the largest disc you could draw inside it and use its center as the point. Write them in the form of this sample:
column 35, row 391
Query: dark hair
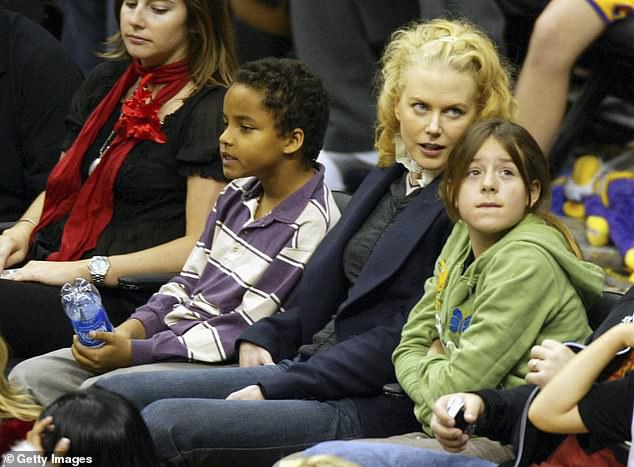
column 525, row 153
column 211, row 42
column 295, row 95
column 102, row 425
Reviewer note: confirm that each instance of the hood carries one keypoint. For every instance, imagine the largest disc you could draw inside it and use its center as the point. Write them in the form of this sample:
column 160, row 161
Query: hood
column 587, row 278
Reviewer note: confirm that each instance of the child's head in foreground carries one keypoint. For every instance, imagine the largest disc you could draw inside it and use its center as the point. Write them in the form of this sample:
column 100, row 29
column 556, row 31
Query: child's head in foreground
column 102, row 425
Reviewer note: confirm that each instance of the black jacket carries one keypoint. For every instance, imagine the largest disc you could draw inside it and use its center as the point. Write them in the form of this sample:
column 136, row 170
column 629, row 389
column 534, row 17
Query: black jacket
column 370, row 314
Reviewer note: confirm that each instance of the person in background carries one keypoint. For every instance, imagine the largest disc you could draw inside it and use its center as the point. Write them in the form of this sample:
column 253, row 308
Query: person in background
column 87, row 25
column 262, row 29
column 252, row 253
column 544, row 79
column 37, row 82
column 139, row 174
column 332, row 352
column 348, row 65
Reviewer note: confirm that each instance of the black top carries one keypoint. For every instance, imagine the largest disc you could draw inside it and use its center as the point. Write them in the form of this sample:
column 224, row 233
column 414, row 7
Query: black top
column 359, row 249
column 37, row 82
column 369, row 313
column 607, row 412
column 362, row 243
column 151, row 187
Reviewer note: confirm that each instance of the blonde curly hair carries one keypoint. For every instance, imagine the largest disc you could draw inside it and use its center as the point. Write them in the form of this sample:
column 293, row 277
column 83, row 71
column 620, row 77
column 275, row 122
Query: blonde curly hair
column 454, row 43
column 13, row 403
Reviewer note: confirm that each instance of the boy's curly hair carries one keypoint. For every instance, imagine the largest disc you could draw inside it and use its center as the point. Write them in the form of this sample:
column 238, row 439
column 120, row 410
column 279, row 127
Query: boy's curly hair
column 296, row 97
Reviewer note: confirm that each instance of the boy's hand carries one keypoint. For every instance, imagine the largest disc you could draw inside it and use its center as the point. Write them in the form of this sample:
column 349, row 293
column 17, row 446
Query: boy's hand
column 443, row 426
column 116, row 353
column 546, row 360
column 250, row 393
column 253, row 355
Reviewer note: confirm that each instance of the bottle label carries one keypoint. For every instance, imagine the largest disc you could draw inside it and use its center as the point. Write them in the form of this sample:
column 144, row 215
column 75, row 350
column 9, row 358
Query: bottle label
column 99, row 322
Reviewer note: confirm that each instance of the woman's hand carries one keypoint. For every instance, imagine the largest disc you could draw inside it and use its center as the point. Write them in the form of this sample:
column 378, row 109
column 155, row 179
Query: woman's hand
column 52, row 272
column 14, row 245
column 254, row 355
column 250, row 393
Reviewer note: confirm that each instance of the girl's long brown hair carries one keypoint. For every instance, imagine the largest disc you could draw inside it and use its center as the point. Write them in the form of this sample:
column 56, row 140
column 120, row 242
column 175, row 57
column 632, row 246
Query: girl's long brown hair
column 527, row 157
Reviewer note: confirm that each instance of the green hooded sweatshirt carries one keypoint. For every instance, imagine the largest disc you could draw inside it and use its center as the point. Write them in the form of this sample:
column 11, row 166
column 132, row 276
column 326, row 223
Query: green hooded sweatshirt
column 525, row 288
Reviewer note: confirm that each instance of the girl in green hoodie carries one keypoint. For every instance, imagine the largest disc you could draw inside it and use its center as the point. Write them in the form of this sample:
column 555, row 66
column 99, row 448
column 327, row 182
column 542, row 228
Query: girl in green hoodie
column 509, row 276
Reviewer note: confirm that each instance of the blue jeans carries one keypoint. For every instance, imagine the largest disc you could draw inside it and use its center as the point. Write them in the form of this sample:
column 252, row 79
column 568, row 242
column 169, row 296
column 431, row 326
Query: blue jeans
column 192, row 423
column 369, row 454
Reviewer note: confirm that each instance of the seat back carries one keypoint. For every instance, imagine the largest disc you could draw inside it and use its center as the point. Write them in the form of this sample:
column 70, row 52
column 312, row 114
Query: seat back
column 601, row 309
column 341, row 198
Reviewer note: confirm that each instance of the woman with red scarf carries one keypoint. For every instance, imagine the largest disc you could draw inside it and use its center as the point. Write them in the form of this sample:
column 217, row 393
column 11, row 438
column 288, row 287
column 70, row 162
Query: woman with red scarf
column 138, row 176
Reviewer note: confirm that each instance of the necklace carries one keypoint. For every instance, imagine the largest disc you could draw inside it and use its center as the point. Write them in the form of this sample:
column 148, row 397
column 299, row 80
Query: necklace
column 102, row 150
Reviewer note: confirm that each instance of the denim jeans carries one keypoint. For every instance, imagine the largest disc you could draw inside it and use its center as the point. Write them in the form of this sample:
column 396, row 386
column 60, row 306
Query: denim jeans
column 192, row 423
column 369, row 454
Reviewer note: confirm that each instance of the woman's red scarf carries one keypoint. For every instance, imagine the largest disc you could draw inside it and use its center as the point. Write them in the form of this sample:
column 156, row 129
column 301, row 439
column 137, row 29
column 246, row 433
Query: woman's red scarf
column 89, row 205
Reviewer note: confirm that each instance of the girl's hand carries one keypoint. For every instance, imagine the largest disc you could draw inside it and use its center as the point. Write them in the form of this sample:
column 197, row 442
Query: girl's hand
column 443, row 426
column 34, row 437
column 627, row 331
column 52, row 272
column 436, row 348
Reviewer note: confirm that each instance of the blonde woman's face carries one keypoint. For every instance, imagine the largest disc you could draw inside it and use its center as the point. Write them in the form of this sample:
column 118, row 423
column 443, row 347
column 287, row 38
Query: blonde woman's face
column 435, row 108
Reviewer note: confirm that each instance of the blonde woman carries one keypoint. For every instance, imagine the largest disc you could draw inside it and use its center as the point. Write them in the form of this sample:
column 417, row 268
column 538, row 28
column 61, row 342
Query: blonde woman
column 17, row 410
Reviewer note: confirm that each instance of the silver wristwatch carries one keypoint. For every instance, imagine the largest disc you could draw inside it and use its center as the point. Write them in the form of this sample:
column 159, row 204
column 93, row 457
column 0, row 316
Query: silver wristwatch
column 98, row 267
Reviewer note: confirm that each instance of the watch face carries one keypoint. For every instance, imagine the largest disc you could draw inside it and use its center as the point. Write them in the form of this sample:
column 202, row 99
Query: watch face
column 99, row 265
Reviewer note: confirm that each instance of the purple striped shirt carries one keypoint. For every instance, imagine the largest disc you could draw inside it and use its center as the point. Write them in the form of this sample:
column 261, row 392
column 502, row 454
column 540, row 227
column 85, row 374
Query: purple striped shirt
column 241, row 270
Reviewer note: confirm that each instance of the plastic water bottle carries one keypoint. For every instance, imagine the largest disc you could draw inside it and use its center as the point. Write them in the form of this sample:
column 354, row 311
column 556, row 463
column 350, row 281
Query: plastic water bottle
column 82, row 304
